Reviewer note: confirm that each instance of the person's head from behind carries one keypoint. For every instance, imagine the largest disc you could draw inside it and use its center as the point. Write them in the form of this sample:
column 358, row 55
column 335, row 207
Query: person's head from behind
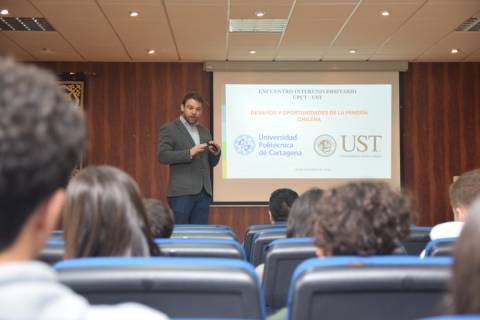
column 301, row 217
column 42, row 136
column 365, row 218
column 160, row 218
column 465, row 283
column 280, row 202
column 104, row 216
column 463, row 191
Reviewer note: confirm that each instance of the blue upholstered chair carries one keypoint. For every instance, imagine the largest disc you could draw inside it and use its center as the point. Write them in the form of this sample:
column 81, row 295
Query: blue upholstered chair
column 205, row 248
column 378, row 287
column 180, row 287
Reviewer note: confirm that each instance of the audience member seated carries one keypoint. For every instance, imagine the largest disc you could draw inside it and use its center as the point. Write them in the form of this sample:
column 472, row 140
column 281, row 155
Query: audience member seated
column 300, row 220
column 41, row 139
column 462, row 192
column 465, row 288
column 161, row 218
column 280, row 202
column 359, row 219
column 104, row 216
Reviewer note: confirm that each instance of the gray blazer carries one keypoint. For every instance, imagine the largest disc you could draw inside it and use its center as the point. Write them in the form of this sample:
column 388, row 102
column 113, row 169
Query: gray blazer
column 187, row 176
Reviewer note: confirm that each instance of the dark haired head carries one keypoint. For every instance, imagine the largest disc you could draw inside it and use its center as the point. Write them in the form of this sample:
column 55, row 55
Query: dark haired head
column 302, row 213
column 464, row 190
column 160, row 218
column 104, row 216
column 42, row 136
column 280, row 202
column 465, row 284
column 366, row 218
column 195, row 96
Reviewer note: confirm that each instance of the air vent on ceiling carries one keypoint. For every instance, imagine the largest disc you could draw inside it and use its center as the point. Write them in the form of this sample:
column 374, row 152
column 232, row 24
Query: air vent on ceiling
column 25, row 24
column 472, row 24
column 257, row 25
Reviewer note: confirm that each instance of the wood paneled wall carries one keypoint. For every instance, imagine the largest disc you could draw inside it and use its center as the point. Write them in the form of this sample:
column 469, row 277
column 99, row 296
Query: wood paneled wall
column 127, row 102
column 441, row 132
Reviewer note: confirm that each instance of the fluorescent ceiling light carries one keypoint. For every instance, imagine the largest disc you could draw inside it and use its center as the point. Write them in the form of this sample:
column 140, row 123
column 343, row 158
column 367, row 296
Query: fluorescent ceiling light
column 257, row 25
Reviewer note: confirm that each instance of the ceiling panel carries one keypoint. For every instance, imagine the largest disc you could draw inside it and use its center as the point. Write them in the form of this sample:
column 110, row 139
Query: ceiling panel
column 368, row 27
column 342, row 53
column 312, row 28
column 428, row 26
column 57, row 50
column 10, row 48
column 475, row 56
column 200, row 28
column 150, row 30
column 274, row 9
column 466, row 42
column 264, row 43
column 19, row 8
column 197, row 30
column 85, row 27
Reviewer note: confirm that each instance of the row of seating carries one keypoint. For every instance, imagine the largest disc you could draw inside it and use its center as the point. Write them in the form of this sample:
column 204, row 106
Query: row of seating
column 282, row 257
column 387, row 287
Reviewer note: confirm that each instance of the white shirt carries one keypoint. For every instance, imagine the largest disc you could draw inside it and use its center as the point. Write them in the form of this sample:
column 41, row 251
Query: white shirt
column 451, row 229
column 30, row 290
column 193, row 130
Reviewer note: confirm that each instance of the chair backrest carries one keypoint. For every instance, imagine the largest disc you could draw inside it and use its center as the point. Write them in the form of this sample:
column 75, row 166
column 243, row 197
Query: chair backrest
column 386, row 287
column 417, row 240
column 260, row 242
column 56, row 234
column 205, row 248
column 283, row 256
column 440, row 247
column 204, row 233
column 455, row 317
column 202, row 227
column 254, row 229
column 52, row 251
column 179, row 287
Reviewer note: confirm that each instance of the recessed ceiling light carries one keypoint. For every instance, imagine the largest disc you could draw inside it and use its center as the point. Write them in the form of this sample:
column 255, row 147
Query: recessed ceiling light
column 454, row 51
column 385, row 13
column 352, row 51
column 252, row 51
column 151, row 51
column 133, row 13
column 259, row 13
column 4, row 12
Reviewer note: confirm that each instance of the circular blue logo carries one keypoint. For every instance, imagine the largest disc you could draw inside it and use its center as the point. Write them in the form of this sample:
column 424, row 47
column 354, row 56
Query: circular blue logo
column 244, row 144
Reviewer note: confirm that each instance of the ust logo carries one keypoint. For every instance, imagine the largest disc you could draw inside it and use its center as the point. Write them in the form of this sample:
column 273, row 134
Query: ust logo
column 324, row 145
column 244, row 144
column 361, row 143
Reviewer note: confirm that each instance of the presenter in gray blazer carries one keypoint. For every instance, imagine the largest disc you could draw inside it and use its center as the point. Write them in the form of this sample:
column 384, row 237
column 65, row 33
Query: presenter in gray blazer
column 190, row 152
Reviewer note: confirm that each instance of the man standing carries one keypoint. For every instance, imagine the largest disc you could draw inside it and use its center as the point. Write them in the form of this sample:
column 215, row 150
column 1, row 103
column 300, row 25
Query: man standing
column 189, row 150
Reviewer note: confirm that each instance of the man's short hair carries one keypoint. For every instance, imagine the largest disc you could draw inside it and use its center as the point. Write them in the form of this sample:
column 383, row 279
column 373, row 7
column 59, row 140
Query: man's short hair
column 365, row 218
column 465, row 189
column 195, row 96
column 42, row 136
column 280, row 202
column 160, row 217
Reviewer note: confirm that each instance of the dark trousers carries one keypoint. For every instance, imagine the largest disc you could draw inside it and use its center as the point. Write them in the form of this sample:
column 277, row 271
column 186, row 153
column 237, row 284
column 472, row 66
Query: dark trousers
column 192, row 209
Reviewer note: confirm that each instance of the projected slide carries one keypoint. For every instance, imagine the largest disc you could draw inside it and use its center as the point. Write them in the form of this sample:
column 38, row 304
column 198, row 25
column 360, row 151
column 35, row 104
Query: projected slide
column 291, row 131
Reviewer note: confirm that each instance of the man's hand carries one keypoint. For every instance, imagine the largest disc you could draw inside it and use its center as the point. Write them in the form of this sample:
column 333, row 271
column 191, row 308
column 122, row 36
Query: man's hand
column 199, row 148
column 214, row 147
